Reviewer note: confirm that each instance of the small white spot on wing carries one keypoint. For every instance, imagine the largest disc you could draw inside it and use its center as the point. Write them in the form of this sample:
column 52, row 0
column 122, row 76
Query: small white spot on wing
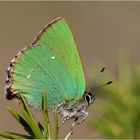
column 53, row 57
column 30, row 72
column 29, row 76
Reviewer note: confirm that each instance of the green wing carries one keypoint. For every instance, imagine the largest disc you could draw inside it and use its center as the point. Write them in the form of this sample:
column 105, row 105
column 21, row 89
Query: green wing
column 53, row 62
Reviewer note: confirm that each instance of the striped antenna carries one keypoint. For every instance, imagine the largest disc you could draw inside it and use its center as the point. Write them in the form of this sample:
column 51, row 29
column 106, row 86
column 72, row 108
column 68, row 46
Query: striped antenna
column 97, row 78
column 100, row 86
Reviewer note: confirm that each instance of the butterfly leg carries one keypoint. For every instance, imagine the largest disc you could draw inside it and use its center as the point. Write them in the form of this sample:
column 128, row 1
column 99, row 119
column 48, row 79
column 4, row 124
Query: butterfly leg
column 82, row 115
column 74, row 123
column 85, row 114
column 65, row 119
column 82, row 120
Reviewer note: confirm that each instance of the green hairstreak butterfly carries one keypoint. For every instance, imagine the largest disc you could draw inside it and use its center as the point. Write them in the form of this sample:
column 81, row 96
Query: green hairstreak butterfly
column 52, row 59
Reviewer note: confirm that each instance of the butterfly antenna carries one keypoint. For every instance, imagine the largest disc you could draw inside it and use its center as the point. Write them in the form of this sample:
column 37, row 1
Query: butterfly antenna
column 100, row 86
column 97, row 78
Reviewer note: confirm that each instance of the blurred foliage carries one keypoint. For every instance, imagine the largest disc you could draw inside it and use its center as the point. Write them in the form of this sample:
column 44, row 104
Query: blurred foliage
column 118, row 110
column 33, row 127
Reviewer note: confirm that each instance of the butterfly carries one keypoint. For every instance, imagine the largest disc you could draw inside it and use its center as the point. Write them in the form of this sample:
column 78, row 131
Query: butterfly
column 52, row 59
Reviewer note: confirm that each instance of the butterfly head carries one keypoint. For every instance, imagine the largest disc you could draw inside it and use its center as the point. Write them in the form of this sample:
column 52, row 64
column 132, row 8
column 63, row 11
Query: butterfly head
column 89, row 97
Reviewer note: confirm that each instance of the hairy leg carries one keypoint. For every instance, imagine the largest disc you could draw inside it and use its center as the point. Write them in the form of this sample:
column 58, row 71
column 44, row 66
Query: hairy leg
column 64, row 120
column 85, row 114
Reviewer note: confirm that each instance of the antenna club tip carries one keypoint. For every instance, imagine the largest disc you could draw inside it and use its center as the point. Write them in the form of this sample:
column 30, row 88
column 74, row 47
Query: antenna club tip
column 110, row 82
column 102, row 70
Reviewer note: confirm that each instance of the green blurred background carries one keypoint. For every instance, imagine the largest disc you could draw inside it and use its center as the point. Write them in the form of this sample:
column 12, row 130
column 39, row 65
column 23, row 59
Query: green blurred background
column 107, row 34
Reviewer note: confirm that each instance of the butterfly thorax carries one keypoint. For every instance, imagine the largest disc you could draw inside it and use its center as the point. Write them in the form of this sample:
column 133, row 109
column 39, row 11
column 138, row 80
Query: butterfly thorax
column 78, row 110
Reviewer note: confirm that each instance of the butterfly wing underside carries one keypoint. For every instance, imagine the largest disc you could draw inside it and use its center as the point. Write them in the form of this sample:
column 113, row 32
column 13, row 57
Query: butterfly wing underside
column 53, row 63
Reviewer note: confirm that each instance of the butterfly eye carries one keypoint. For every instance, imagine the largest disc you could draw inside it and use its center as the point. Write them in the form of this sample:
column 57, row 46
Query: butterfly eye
column 88, row 98
column 89, row 94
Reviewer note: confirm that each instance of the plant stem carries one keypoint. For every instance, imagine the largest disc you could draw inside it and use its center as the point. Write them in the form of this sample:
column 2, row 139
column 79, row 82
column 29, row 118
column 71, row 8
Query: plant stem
column 56, row 124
